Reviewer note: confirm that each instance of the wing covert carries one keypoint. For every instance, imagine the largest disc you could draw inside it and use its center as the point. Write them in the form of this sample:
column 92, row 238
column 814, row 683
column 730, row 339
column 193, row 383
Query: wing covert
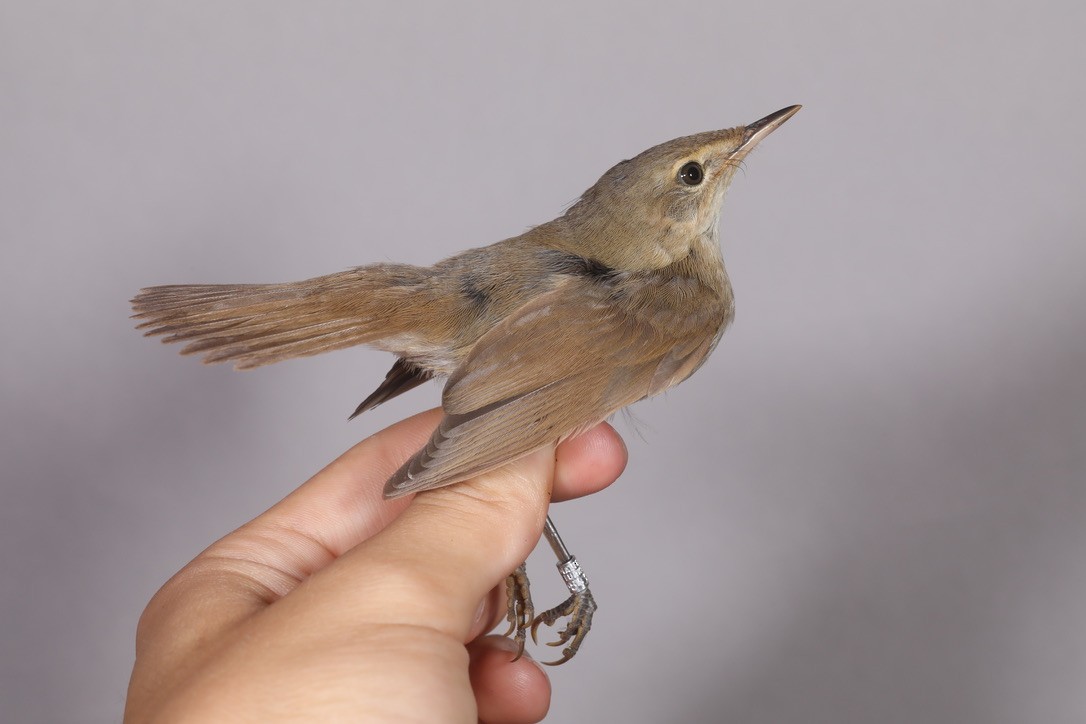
column 513, row 394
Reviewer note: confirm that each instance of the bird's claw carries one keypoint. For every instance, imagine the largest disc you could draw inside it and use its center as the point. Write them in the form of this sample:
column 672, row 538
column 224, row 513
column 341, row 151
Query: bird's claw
column 579, row 607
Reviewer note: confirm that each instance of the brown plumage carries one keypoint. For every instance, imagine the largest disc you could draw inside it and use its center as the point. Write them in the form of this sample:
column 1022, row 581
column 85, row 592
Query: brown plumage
column 542, row 335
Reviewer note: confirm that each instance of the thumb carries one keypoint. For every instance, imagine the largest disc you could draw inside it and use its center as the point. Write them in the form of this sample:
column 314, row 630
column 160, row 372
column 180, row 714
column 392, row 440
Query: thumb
column 433, row 565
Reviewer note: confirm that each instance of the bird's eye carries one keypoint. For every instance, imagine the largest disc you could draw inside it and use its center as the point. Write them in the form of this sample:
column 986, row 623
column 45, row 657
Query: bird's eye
column 692, row 173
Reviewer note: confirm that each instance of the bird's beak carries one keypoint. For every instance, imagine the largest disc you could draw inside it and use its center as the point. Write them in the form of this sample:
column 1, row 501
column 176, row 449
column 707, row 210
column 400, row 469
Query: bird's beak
column 755, row 132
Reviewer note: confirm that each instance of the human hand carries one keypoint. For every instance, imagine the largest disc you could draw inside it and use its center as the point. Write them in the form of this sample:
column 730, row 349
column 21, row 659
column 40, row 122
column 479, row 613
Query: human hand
column 336, row 604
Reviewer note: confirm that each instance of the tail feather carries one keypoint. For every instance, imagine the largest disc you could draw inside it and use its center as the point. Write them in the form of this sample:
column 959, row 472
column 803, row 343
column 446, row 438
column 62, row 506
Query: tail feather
column 258, row 324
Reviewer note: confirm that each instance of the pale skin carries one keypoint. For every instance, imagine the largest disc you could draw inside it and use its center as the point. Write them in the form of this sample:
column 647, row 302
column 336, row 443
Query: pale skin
column 338, row 605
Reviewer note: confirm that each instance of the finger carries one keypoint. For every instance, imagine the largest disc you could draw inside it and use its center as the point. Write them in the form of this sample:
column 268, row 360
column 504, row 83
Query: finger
column 588, row 463
column 432, row 565
column 490, row 612
column 505, row 691
column 343, row 504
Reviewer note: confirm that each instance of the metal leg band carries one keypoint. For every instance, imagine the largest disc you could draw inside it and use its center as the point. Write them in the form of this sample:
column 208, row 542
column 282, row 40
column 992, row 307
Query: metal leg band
column 572, row 575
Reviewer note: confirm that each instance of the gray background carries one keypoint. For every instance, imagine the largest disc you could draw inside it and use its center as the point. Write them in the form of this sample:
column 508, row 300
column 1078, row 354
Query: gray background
column 869, row 506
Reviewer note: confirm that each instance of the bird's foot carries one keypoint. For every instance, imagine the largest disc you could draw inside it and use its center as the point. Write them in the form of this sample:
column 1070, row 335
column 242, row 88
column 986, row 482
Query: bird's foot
column 519, row 612
column 579, row 607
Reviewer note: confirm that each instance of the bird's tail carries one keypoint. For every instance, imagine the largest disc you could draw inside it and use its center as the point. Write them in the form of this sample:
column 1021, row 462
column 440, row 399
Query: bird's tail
column 258, row 324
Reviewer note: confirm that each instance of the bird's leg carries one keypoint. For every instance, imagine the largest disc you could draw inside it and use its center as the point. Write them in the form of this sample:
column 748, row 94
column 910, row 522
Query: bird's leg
column 520, row 611
column 579, row 606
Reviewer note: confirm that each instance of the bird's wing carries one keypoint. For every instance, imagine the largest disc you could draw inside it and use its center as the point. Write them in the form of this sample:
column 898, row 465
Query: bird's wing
column 555, row 367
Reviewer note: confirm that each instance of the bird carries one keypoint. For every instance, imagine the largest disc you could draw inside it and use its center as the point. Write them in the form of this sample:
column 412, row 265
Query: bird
column 541, row 336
